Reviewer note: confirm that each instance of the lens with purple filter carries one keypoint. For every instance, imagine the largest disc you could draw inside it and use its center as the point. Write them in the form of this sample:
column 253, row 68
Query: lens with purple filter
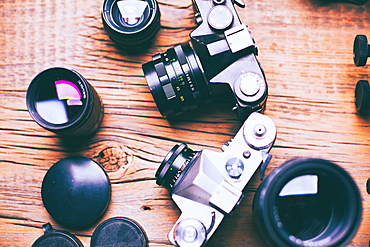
column 62, row 101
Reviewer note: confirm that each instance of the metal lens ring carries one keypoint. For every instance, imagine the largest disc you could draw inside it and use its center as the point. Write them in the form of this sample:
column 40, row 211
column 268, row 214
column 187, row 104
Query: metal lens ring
column 174, row 164
column 177, row 81
column 307, row 202
column 259, row 131
column 131, row 23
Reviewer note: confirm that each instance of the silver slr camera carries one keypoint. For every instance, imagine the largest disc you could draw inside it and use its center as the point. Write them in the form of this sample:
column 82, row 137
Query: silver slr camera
column 207, row 185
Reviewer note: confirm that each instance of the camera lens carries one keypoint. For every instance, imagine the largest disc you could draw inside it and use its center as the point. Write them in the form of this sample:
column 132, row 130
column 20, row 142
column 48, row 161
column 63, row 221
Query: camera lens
column 308, row 202
column 62, row 101
column 131, row 23
column 174, row 166
column 177, row 81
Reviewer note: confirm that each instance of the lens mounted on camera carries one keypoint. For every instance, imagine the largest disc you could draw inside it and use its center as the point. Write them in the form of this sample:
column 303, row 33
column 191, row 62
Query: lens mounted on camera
column 176, row 80
column 178, row 160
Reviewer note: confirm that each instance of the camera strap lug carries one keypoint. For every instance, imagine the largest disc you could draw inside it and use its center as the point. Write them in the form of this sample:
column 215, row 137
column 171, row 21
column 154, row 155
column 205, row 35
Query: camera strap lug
column 239, row 3
column 266, row 160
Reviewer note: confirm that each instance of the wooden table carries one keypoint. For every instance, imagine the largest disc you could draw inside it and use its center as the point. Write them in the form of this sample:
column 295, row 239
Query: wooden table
column 305, row 48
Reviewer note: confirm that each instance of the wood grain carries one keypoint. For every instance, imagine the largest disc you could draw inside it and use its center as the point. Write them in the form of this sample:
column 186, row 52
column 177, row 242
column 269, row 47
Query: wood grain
column 305, row 48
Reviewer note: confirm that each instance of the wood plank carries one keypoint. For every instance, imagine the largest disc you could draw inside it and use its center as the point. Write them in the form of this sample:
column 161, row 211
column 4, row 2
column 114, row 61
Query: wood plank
column 305, row 48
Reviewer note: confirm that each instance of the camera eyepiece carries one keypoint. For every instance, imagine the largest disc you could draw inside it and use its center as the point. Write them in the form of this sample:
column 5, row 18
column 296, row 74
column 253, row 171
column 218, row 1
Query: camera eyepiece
column 62, row 101
column 177, row 81
column 176, row 162
column 308, row 202
column 131, row 23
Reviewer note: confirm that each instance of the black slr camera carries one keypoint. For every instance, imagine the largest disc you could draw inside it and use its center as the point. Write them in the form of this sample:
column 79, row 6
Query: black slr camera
column 221, row 50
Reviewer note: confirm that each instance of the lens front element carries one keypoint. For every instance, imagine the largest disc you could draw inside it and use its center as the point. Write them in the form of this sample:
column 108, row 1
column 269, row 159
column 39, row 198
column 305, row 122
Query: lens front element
column 308, row 202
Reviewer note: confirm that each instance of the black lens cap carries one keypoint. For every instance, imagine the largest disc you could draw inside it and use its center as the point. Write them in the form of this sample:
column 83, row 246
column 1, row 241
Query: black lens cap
column 76, row 191
column 362, row 97
column 119, row 231
column 55, row 238
column 360, row 50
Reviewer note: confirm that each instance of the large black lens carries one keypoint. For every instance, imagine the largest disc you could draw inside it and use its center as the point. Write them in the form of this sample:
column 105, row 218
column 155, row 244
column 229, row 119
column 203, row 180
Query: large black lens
column 62, row 101
column 131, row 23
column 177, row 81
column 308, row 202
column 175, row 164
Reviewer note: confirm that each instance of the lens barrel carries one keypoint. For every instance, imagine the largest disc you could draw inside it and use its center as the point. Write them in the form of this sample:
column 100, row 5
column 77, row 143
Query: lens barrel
column 131, row 23
column 62, row 101
column 178, row 160
column 308, row 202
column 177, row 81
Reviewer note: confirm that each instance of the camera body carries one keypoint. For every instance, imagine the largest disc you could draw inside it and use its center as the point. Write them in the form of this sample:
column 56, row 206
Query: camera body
column 207, row 185
column 221, row 50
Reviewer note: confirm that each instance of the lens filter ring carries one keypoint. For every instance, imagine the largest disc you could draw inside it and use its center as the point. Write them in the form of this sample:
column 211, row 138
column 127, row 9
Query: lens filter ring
column 131, row 23
column 308, row 202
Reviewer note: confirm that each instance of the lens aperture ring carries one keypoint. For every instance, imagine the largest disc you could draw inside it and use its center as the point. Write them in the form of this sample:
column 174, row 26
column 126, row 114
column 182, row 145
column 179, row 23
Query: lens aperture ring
column 202, row 92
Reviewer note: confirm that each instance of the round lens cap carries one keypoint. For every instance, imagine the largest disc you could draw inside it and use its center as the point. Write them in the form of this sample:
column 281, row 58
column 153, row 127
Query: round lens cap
column 362, row 96
column 56, row 238
column 76, row 191
column 119, row 231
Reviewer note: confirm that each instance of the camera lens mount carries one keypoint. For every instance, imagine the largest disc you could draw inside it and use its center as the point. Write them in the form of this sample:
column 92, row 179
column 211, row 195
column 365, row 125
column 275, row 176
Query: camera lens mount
column 177, row 81
column 131, row 23
column 308, row 202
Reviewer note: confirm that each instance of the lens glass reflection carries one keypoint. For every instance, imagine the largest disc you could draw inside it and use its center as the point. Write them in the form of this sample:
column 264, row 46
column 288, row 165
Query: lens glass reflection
column 60, row 101
column 305, row 205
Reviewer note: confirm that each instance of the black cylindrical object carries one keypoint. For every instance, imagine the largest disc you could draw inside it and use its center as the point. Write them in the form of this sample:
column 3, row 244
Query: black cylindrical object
column 132, row 24
column 76, row 191
column 61, row 100
column 176, row 80
column 119, row 231
column 308, row 202
column 56, row 238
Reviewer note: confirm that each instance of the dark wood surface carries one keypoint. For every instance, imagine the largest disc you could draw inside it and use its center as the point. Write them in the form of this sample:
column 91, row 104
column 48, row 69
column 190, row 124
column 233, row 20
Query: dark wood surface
column 305, row 48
